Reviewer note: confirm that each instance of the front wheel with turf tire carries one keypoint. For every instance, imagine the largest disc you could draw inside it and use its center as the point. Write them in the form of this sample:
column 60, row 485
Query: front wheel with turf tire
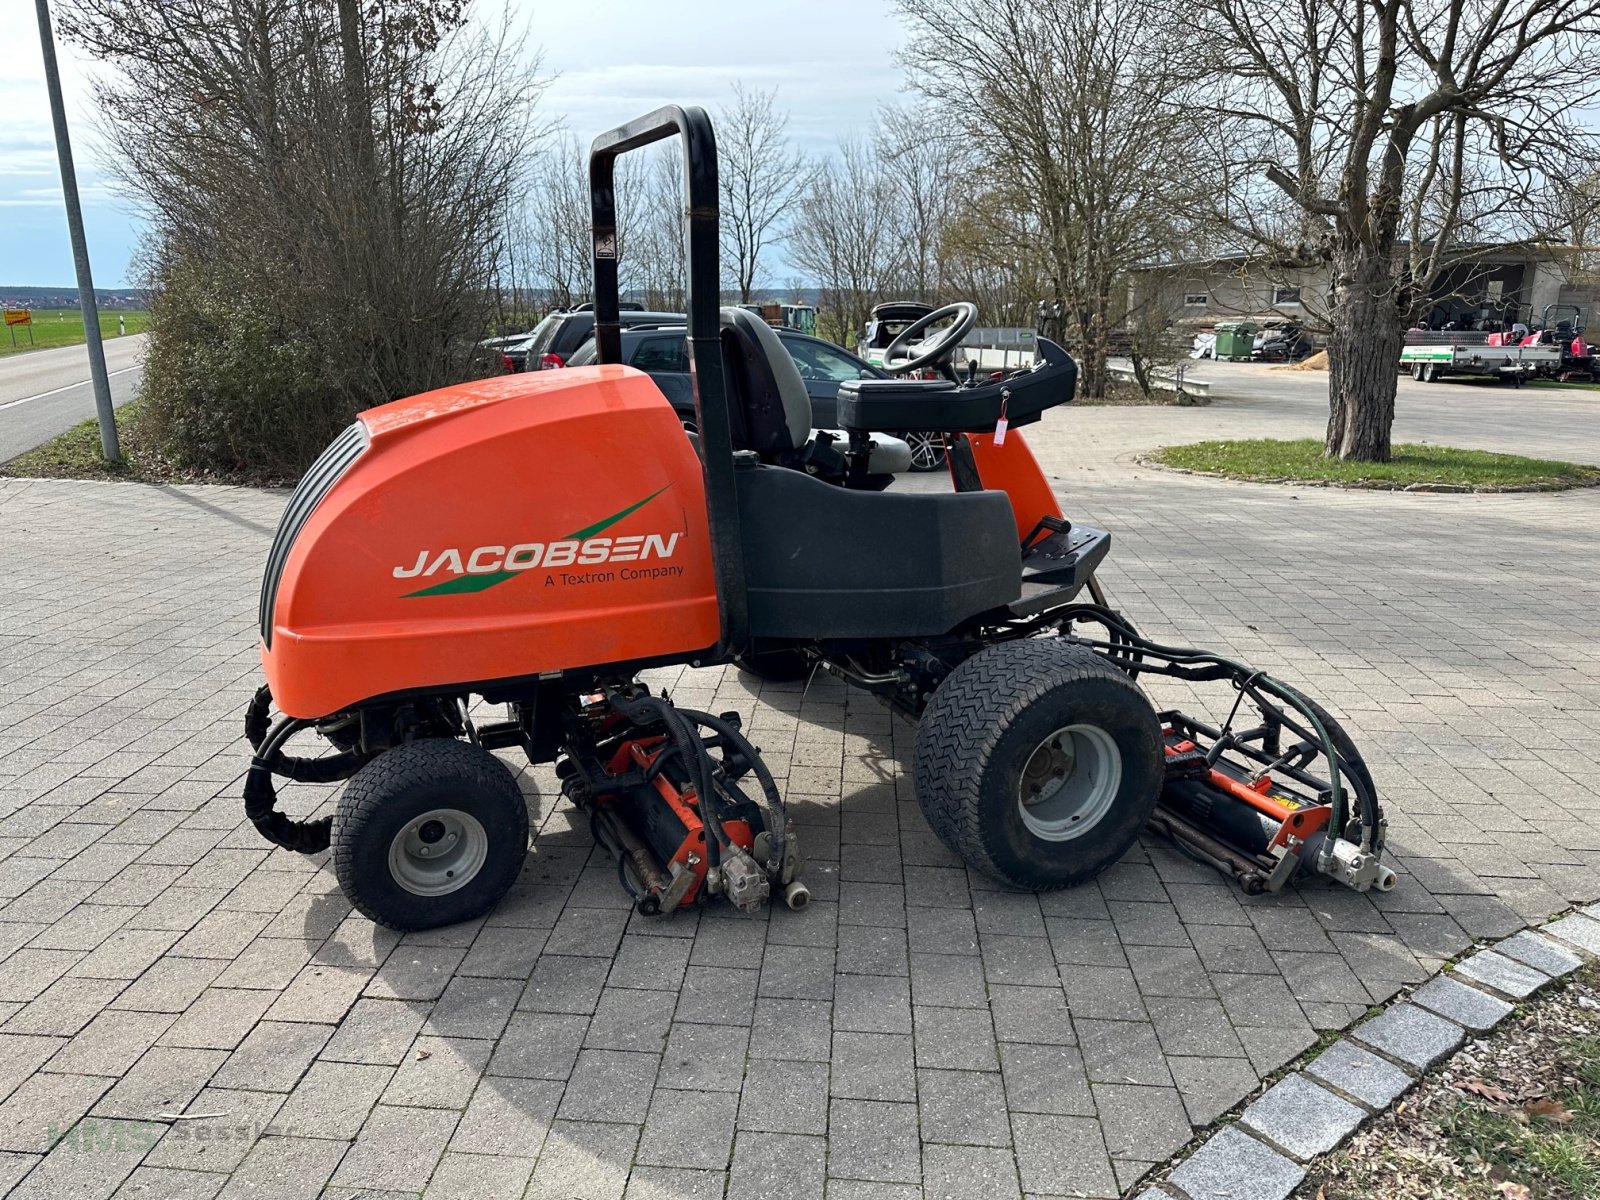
column 431, row 833
column 1038, row 763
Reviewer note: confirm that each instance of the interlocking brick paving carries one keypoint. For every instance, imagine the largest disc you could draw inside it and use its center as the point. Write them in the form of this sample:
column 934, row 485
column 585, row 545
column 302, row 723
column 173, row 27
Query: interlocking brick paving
column 915, row 1031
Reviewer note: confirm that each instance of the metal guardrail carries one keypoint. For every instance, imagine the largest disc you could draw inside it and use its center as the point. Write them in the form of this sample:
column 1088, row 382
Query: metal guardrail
column 1176, row 380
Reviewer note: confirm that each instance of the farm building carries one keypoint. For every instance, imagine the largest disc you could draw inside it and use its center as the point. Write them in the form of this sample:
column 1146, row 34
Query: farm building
column 1489, row 286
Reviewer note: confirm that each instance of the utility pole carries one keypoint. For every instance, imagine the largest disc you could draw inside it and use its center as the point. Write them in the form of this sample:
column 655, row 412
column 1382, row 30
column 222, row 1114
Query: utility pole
column 80, row 245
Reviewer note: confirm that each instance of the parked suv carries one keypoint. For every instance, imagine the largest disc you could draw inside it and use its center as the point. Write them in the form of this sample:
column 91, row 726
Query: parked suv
column 554, row 339
column 663, row 354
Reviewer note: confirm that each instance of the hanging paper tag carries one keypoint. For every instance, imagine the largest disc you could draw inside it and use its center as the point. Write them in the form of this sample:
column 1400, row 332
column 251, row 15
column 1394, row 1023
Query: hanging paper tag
column 1001, row 425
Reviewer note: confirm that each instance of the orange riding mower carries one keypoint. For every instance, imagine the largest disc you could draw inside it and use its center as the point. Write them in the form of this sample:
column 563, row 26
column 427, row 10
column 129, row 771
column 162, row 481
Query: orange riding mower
column 537, row 541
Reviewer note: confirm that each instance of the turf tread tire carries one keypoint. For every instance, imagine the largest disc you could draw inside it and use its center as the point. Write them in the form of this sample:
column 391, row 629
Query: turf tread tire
column 963, row 727
column 368, row 804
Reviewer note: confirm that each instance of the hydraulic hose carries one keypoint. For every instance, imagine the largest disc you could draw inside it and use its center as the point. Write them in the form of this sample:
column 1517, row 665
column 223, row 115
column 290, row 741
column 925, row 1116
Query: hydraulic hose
column 261, row 799
column 1200, row 666
column 261, row 795
column 642, row 710
column 777, row 818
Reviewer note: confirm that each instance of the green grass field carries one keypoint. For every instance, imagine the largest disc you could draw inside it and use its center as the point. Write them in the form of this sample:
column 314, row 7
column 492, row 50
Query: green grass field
column 1269, row 461
column 64, row 327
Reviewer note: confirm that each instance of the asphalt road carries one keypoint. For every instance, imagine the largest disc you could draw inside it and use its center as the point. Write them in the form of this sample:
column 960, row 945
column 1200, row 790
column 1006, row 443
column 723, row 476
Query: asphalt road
column 46, row 392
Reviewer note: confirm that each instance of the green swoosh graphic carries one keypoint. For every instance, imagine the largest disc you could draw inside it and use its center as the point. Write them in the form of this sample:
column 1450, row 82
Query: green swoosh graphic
column 461, row 584
column 589, row 531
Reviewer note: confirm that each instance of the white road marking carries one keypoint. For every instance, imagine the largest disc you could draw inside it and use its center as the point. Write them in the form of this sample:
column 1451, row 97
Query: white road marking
column 67, row 388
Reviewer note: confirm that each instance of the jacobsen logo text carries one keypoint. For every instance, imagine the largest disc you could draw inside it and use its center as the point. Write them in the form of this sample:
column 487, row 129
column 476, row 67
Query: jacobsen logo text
column 493, row 560
column 483, row 567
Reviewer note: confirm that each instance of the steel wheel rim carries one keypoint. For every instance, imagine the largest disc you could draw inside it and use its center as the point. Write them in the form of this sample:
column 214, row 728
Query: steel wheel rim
column 438, row 852
column 1069, row 783
column 925, row 450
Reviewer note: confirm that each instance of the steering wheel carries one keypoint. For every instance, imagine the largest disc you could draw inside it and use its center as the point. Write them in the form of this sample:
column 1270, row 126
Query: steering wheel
column 944, row 344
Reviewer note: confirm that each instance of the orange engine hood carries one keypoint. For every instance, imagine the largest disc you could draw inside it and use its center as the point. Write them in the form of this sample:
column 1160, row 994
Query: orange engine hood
column 493, row 530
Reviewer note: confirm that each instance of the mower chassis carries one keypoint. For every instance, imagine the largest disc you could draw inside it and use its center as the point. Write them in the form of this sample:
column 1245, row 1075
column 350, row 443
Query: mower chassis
column 1039, row 759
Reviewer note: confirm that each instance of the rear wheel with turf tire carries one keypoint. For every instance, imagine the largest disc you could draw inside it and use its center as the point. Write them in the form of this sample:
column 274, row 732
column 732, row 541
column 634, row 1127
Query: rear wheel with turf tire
column 1038, row 763
column 430, row 833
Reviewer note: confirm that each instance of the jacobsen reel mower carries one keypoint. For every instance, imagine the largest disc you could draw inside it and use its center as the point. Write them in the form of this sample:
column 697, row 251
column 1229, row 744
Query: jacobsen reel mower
column 538, row 540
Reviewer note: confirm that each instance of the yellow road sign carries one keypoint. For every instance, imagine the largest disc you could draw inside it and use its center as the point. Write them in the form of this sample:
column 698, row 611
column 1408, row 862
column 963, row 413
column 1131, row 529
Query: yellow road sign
column 18, row 316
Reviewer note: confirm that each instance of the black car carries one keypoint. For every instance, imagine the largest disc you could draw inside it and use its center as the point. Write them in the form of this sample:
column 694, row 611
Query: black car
column 663, row 353
column 555, row 339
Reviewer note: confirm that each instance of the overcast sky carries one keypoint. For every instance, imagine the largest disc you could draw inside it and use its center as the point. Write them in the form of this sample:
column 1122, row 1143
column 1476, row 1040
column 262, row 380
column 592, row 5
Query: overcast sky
column 831, row 60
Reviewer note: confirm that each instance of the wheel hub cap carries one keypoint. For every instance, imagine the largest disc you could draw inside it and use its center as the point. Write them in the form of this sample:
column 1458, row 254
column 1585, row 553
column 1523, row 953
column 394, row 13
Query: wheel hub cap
column 924, row 450
column 438, row 852
column 1069, row 782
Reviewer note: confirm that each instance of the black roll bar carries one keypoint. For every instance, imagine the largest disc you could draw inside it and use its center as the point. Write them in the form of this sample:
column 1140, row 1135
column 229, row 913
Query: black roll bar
column 706, row 376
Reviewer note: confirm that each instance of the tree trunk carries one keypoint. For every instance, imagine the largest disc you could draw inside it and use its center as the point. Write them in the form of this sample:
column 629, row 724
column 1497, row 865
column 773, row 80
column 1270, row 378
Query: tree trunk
column 1093, row 347
column 1093, row 374
column 1363, row 359
column 358, row 110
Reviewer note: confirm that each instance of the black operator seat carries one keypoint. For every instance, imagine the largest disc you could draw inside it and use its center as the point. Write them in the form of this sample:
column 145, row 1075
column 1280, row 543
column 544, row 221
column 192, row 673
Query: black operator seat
column 823, row 561
column 769, row 405
column 770, row 409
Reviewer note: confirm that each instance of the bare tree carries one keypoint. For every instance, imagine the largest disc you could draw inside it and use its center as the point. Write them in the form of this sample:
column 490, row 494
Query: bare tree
column 1076, row 112
column 759, row 176
column 920, row 165
column 559, row 224
column 329, row 185
column 844, row 235
column 990, row 254
column 655, row 246
column 1381, row 138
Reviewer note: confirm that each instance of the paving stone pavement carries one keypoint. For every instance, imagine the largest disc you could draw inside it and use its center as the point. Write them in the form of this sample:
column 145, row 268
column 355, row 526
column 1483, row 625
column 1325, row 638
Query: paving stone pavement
column 914, row 1032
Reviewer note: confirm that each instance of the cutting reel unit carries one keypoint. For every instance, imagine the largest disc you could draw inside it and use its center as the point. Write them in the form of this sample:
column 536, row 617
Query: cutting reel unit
column 1282, row 791
column 661, row 787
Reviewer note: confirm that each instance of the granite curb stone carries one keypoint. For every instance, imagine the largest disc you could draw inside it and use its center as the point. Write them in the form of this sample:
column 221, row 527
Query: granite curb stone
column 1410, row 1035
column 1579, row 930
column 1298, row 1116
column 1360, row 1074
column 1504, row 975
column 1539, row 952
column 1466, row 1006
column 1234, row 1166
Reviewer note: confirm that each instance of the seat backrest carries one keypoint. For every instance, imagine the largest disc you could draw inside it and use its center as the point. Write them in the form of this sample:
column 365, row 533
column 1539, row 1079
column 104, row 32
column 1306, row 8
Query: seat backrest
column 769, row 404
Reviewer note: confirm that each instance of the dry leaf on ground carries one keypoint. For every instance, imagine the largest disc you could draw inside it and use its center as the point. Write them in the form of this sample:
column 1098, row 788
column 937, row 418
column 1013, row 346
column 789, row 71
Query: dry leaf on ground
column 1487, row 1090
column 1550, row 1110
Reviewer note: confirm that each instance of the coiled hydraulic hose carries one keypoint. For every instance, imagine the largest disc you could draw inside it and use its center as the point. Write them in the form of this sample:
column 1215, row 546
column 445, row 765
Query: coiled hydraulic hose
column 682, row 726
column 1202, row 666
column 772, row 799
column 646, row 710
column 260, row 794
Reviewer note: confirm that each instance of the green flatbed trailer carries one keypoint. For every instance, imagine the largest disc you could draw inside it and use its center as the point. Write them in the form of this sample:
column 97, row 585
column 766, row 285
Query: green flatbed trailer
column 1431, row 356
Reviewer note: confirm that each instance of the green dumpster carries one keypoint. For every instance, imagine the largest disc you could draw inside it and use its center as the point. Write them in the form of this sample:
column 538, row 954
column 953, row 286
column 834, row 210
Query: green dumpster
column 1235, row 339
